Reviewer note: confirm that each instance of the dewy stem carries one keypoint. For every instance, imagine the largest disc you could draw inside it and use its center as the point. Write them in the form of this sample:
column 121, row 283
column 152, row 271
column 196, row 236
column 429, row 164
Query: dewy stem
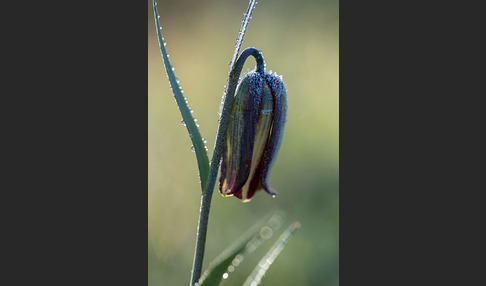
column 233, row 78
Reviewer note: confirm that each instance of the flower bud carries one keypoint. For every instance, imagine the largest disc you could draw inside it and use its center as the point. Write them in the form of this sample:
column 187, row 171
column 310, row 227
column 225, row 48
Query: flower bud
column 253, row 136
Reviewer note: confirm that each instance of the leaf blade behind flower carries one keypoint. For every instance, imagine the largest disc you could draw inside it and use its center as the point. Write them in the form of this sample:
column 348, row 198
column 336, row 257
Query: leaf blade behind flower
column 247, row 243
column 267, row 260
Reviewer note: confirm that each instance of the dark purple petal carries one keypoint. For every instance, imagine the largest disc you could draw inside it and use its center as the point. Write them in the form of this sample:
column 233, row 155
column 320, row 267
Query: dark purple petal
column 280, row 112
column 263, row 127
column 240, row 135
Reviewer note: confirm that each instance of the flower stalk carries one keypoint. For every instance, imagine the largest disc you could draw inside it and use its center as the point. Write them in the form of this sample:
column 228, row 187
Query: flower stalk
column 233, row 77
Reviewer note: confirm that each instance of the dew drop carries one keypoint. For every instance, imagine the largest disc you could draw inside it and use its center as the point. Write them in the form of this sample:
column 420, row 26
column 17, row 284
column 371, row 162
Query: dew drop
column 266, row 111
column 225, row 275
column 236, row 262
column 266, row 232
column 251, row 246
column 275, row 221
column 193, row 149
column 182, row 122
column 204, row 141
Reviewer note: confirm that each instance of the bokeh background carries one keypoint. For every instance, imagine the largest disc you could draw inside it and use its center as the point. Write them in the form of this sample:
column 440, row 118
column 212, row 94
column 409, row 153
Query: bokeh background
column 299, row 40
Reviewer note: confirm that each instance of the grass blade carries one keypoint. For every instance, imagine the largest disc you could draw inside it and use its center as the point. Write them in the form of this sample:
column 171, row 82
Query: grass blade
column 197, row 142
column 235, row 253
column 267, row 260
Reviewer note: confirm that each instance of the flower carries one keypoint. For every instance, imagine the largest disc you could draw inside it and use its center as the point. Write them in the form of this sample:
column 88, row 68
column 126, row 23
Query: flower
column 253, row 136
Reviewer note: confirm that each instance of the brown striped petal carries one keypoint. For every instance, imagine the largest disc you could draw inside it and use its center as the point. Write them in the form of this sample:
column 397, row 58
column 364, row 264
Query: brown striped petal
column 238, row 147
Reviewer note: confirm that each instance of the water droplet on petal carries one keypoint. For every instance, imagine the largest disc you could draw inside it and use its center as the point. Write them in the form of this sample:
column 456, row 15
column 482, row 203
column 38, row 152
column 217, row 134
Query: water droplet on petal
column 266, row 111
column 182, row 122
column 193, row 149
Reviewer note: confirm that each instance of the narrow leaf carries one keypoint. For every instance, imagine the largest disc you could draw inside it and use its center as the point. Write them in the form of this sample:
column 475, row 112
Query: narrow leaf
column 267, row 260
column 197, row 142
column 236, row 252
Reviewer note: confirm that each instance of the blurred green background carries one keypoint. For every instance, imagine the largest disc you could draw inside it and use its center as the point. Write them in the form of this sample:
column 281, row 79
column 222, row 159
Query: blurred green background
column 299, row 40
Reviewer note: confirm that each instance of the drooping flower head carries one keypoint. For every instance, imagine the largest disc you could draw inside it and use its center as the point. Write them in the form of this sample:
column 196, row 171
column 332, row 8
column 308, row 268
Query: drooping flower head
column 254, row 135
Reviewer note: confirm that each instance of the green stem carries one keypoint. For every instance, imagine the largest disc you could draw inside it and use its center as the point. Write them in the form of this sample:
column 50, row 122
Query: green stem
column 218, row 147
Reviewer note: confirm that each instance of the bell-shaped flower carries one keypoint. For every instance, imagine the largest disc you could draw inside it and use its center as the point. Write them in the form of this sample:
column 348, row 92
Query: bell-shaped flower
column 253, row 136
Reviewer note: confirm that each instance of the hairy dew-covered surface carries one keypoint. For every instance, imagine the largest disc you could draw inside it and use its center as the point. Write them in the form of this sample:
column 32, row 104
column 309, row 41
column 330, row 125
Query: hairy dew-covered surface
column 299, row 40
